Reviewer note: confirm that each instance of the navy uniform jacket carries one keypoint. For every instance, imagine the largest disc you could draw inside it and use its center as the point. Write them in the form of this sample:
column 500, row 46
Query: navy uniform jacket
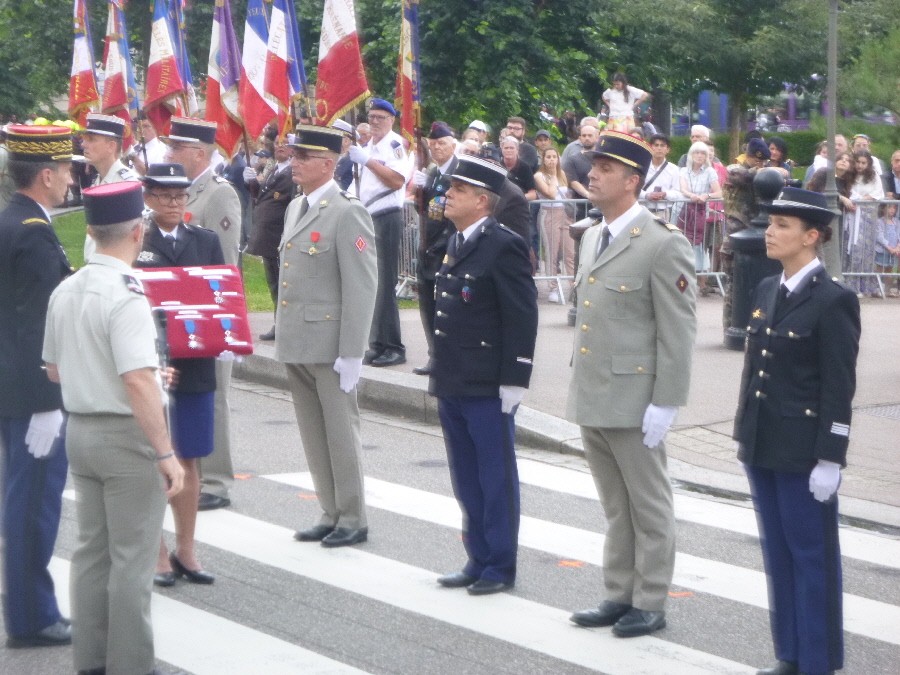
column 194, row 246
column 275, row 193
column 32, row 263
column 486, row 315
column 436, row 229
column 799, row 375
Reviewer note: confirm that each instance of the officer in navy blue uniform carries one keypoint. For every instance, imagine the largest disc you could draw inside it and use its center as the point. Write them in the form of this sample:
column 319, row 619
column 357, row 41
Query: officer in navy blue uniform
column 485, row 329
column 793, row 427
column 32, row 264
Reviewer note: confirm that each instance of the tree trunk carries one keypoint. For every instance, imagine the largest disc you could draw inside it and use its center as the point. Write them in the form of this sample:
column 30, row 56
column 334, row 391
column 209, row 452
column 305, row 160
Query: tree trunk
column 736, row 104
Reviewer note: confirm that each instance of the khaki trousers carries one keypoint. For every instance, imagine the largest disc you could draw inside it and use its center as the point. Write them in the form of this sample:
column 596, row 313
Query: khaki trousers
column 119, row 507
column 634, row 488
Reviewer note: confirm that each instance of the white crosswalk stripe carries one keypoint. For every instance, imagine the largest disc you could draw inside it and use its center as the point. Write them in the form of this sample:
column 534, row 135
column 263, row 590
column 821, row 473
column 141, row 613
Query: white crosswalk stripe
column 870, row 618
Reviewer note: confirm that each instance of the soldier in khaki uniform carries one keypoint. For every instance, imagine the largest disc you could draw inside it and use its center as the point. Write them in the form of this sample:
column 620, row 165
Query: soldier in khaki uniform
column 100, row 346
column 213, row 204
column 326, row 298
column 634, row 338
column 101, row 141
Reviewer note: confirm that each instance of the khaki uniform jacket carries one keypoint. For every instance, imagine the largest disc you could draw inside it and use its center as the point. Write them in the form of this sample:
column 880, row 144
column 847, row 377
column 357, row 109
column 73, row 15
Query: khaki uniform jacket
column 328, row 279
column 635, row 325
column 214, row 205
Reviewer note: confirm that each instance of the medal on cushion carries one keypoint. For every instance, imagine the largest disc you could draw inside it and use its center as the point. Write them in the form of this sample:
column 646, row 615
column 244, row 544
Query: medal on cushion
column 314, row 237
column 216, row 289
column 226, row 328
column 190, row 328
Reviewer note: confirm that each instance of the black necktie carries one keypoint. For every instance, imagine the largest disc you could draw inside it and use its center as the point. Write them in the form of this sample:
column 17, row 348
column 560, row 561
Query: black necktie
column 604, row 239
column 460, row 240
column 782, row 298
column 170, row 238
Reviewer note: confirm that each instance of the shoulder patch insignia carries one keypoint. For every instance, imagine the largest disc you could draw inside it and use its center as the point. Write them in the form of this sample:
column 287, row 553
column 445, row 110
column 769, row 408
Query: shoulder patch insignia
column 681, row 283
column 146, row 256
column 133, row 284
column 398, row 149
column 361, row 244
column 35, row 221
column 225, row 224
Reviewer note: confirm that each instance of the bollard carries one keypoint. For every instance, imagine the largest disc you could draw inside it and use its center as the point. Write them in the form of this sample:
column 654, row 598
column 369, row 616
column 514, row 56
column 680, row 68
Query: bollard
column 751, row 265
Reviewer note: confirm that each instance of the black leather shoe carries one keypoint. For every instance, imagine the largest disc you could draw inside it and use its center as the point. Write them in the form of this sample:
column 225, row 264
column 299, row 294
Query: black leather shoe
column 194, row 576
column 316, row 533
column 605, row 615
column 54, row 635
column 487, row 587
column 92, row 671
column 371, row 355
column 456, row 580
column 164, row 579
column 780, row 668
column 268, row 337
column 344, row 536
column 639, row 622
column 389, row 359
column 424, row 370
column 210, row 502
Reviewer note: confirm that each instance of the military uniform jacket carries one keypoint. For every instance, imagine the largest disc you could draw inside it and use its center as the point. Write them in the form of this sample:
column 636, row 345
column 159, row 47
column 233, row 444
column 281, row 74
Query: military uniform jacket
column 436, row 229
column 194, row 246
column 275, row 193
column 213, row 204
column 635, row 326
column 486, row 315
column 328, row 279
column 799, row 375
column 32, row 263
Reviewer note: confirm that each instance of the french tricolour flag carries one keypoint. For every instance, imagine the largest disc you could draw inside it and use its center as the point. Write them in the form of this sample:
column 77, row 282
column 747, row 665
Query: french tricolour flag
column 164, row 83
column 255, row 108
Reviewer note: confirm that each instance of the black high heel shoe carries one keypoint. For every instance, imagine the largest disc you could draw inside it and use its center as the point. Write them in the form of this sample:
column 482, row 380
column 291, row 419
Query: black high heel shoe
column 194, row 576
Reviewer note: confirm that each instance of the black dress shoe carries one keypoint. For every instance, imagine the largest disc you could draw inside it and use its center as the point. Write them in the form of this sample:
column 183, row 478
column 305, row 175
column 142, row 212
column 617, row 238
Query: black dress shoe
column 54, row 635
column 639, row 622
column 164, row 579
column 389, row 358
column 371, row 355
column 605, row 615
column 780, row 668
column 268, row 337
column 456, row 580
column 424, row 370
column 208, row 502
column 344, row 536
column 488, row 587
column 315, row 533
column 194, row 576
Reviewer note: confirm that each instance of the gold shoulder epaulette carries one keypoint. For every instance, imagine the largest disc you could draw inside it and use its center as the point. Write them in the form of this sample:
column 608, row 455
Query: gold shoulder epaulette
column 669, row 226
column 35, row 221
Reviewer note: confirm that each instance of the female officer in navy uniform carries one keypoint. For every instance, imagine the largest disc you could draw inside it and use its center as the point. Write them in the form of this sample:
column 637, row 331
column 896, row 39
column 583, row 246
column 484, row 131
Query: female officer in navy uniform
column 793, row 427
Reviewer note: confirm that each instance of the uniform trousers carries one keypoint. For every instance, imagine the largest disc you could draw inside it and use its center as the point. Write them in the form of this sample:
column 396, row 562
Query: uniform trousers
column 216, row 471
column 634, row 489
column 426, row 309
column 328, row 420
column 385, row 333
column 120, row 501
column 32, row 502
column 480, row 450
column 802, row 556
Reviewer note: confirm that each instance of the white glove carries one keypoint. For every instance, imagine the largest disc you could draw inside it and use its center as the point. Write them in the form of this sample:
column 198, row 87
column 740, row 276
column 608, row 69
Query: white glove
column 824, row 479
column 227, row 355
column 249, row 174
column 657, row 420
column 349, row 368
column 358, row 154
column 419, row 178
column 42, row 431
column 510, row 397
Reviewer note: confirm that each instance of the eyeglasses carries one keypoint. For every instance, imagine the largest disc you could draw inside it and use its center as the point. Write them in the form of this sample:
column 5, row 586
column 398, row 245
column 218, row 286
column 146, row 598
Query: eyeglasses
column 377, row 118
column 166, row 198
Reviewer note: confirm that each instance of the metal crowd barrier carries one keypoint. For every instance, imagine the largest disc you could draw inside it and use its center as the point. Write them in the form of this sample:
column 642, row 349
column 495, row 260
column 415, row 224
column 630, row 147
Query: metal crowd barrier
column 703, row 226
column 865, row 264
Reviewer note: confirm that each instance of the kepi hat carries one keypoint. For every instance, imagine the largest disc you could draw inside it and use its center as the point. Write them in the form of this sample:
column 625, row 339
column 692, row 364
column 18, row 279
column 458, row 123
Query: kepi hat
column 27, row 143
column 190, row 130
column 323, row 139
column 166, row 175
column 113, row 203
column 104, row 125
column 630, row 150
column 804, row 204
column 480, row 172
column 343, row 126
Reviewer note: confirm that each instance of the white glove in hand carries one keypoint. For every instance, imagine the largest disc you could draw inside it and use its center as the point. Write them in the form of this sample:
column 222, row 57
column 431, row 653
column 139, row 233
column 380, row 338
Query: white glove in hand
column 824, row 480
column 249, row 174
column 349, row 368
column 419, row 178
column 358, row 154
column 657, row 420
column 42, row 431
column 227, row 355
column 510, row 397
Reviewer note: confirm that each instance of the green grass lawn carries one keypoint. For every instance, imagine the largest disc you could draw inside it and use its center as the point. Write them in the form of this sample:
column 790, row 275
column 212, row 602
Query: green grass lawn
column 70, row 229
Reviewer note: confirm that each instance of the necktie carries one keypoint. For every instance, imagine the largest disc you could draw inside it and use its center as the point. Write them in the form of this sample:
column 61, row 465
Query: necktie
column 304, row 206
column 460, row 240
column 604, row 240
column 170, row 239
column 782, row 298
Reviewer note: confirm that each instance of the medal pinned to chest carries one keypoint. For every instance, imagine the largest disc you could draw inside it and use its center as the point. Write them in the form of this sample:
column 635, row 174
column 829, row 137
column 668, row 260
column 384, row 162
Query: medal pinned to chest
column 314, row 238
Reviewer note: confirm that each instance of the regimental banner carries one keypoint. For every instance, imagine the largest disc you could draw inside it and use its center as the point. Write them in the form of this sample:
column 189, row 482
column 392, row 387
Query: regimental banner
column 341, row 82
column 83, row 93
column 255, row 109
column 224, row 71
column 408, row 94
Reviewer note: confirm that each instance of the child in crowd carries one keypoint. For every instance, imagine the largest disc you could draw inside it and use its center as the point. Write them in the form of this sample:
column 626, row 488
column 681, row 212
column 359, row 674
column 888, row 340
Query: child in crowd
column 887, row 243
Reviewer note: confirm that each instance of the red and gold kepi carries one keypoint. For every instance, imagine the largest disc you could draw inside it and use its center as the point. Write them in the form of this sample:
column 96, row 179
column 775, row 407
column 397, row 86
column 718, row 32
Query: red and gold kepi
column 39, row 143
column 625, row 148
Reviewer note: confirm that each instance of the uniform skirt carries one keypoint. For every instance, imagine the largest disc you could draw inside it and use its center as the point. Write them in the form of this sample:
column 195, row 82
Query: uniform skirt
column 192, row 423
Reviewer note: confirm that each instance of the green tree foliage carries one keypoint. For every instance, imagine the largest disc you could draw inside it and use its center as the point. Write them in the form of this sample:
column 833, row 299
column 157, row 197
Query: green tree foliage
column 873, row 80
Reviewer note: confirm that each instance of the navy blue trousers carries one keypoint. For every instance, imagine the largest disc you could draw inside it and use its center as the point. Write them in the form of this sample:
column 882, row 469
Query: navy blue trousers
column 32, row 502
column 801, row 552
column 479, row 441
column 385, row 332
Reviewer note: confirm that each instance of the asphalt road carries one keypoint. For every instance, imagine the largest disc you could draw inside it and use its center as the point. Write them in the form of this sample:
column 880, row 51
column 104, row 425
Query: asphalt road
column 279, row 606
